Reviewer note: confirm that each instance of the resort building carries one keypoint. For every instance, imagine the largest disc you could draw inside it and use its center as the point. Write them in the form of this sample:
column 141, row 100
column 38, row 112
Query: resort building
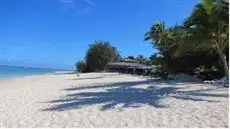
column 130, row 66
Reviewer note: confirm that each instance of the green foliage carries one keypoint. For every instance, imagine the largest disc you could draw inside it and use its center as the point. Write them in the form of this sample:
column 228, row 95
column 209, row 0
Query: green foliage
column 208, row 4
column 156, row 59
column 202, row 40
column 99, row 55
column 205, row 73
column 81, row 66
column 140, row 59
column 160, row 72
column 208, row 25
column 131, row 57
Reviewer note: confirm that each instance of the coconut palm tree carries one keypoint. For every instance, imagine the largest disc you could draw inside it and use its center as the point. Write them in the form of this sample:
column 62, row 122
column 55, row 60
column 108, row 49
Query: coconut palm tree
column 208, row 25
column 166, row 40
column 158, row 33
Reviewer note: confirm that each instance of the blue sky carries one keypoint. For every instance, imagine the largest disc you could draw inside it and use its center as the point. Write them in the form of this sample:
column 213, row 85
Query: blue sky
column 56, row 33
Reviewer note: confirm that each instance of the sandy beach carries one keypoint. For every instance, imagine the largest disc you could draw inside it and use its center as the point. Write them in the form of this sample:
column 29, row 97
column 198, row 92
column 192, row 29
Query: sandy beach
column 110, row 100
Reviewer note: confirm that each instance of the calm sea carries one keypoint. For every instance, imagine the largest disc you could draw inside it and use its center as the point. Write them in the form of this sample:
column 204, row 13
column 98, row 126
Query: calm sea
column 11, row 71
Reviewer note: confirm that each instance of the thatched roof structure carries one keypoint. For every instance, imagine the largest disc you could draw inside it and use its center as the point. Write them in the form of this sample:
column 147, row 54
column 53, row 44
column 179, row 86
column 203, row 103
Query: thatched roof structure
column 130, row 65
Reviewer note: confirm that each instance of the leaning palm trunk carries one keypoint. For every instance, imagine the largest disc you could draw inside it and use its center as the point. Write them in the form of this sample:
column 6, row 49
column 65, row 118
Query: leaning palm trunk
column 220, row 41
column 223, row 60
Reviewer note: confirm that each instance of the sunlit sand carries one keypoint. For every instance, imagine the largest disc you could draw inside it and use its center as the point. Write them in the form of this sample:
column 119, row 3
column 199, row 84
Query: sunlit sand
column 110, row 100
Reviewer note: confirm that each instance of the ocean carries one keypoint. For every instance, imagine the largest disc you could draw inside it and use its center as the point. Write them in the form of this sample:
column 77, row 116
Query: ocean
column 12, row 71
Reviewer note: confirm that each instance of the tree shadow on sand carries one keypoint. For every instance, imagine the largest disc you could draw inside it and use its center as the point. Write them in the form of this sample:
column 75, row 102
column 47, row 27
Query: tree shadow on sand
column 127, row 94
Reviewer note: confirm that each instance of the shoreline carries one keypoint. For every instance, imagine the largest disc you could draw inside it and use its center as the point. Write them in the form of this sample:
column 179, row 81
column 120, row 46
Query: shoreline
column 32, row 75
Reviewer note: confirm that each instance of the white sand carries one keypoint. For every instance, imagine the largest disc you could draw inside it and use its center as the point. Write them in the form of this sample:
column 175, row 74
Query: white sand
column 110, row 100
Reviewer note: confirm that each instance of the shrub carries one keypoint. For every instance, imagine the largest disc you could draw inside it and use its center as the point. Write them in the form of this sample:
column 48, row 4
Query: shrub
column 99, row 55
column 81, row 66
column 160, row 72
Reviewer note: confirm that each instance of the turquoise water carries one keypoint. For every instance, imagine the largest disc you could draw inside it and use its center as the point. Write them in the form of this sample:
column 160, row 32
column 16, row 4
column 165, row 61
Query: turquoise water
column 11, row 71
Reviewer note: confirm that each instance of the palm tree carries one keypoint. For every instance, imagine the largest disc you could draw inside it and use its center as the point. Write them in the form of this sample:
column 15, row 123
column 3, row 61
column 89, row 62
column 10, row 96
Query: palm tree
column 166, row 40
column 157, row 33
column 208, row 25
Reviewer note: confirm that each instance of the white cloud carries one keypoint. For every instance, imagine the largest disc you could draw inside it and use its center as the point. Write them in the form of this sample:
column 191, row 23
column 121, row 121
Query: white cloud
column 74, row 4
column 68, row 3
column 90, row 2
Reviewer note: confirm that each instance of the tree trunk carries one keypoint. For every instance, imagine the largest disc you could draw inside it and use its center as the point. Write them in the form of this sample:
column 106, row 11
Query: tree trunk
column 224, row 61
column 220, row 51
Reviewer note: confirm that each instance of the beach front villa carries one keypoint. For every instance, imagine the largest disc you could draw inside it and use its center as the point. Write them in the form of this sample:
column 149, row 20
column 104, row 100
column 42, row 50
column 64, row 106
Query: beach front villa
column 130, row 66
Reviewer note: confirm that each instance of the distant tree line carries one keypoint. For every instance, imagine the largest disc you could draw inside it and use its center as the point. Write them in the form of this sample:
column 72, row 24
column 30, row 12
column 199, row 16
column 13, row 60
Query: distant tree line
column 100, row 53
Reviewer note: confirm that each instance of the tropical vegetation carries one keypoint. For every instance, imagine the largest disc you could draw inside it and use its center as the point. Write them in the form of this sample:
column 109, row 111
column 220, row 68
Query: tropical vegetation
column 81, row 66
column 98, row 56
column 199, row 45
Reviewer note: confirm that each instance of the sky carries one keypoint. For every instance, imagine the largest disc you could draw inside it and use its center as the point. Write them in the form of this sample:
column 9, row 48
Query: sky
column 56, row 33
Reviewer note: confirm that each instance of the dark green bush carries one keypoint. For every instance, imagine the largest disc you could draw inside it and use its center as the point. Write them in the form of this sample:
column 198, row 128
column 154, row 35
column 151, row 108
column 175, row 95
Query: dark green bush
column 160, row 72
column 81, row 66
